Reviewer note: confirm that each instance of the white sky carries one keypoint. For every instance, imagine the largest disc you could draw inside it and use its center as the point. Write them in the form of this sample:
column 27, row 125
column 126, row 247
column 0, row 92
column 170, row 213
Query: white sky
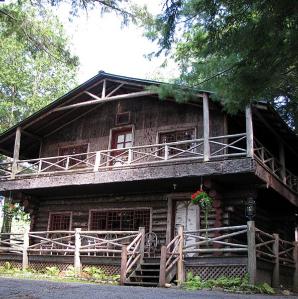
column 102, row 44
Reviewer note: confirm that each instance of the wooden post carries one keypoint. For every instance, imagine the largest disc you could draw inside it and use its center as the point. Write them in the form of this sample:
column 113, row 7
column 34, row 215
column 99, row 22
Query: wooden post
column 16, row 153
column 162, row 269
column 275, row 274
column 166, row 152
column 77, row 260
column 251, row 248
column 103, row 92
column 25, row 263
column 249, row 132
column 142, row 245
column 180, row 266
column 206, row 127
column 282, row 161
column 130, row 156
column 295, row 278
column 97, row 160
column 123, row 265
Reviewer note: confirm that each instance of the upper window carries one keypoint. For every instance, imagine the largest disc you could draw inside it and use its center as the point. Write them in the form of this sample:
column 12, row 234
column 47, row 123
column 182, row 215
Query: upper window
column 120, row 219
column 122, row 139
column 175, row 136
column 60, row 221
column 73, row 150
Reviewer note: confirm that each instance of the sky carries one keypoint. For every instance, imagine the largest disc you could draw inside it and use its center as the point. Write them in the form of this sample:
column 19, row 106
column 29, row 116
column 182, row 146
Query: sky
column 102, row 44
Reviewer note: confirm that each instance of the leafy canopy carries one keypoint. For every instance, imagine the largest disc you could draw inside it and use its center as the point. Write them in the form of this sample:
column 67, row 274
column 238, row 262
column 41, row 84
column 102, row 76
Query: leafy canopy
column 36, row 64
column 243, row 50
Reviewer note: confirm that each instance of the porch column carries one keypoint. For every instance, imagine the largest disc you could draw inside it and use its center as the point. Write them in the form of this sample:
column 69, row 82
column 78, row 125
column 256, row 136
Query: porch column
column 282, row 161
column 206, row 127
column 77, row 260
column 276, row 276
column 249, row 132
column 16, row 152
column 180, row 264
column 251, row 252
column 295, row 278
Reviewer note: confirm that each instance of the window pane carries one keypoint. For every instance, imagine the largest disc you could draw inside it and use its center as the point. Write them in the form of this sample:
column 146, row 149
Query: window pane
column 120, row 138
column 60, row 221
column 128, row 137
column 128, row 144
column 120, row 145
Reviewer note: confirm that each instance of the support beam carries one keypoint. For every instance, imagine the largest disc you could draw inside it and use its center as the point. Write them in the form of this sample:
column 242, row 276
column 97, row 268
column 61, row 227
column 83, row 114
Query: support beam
column 282, row 161
column 249, row 132
column 103, row 92
column 16, row 152
column 101, row 100
column 33, row 136
column 206, row 125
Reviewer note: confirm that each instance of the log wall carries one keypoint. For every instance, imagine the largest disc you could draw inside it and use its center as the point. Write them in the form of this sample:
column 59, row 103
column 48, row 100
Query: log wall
column 148, row 116
column 80, row 208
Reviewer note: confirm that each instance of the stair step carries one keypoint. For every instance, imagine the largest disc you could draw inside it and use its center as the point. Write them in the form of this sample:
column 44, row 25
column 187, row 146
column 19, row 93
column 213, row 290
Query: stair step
column 148, row 271
column 141, row 284
column 145, row 276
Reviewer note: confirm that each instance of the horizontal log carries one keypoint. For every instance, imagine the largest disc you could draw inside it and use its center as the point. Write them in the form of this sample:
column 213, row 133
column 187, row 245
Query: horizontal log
column 215, row 250
column 217, row 229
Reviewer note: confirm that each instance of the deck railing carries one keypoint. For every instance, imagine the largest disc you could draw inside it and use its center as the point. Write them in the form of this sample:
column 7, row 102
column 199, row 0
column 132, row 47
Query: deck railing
column 226, row 146
column 221, row 147
column 75, row 243
column 244, row 240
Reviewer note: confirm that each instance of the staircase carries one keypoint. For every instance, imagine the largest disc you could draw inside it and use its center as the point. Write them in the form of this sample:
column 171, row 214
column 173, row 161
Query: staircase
column 147, row 274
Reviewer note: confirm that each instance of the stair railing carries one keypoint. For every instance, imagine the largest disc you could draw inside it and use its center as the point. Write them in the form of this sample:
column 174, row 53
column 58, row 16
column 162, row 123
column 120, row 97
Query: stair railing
column 132, row 255
column 171, row 260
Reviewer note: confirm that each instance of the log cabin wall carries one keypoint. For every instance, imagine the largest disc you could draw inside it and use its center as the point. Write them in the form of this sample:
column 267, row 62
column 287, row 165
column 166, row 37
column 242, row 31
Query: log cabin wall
column 80, row 208
column 148, row 116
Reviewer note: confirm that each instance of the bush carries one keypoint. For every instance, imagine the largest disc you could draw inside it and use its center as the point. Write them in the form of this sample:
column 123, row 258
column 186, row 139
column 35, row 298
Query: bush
column 233, row 284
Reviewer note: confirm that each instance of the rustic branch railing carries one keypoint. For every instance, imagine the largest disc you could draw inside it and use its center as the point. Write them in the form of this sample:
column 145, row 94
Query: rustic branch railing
column 171, row 260
column 215, row 240
column 132, row 255
column 274, row 166
column 11, row 243
column 75, row 243
column 226, row 146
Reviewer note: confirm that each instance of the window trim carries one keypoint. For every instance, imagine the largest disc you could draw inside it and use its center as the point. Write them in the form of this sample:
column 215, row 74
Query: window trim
column 60, row 213
column 127, row 127
column 121, row 209
column 175, row 130
column 73, row 145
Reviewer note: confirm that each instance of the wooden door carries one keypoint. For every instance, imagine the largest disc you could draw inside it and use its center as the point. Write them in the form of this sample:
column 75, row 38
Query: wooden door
column 121, row 139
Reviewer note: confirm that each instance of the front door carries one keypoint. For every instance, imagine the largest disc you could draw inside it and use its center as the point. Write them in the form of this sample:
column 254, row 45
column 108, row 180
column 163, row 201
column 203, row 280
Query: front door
column 121, row 138
column 188, row 215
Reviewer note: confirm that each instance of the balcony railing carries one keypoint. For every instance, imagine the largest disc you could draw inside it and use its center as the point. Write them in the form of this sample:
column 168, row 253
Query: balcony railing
column 221, row 147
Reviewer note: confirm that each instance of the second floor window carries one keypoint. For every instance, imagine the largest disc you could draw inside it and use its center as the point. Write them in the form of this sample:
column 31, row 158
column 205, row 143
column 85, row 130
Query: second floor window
column 174, row 136
column 74, row 150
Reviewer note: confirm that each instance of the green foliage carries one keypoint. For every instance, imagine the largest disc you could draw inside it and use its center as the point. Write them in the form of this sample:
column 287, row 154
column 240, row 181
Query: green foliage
column 96, row 273
column 36, row 64
column 233, row 284
column 242, row 50
column 15, row 211
column 52, row 271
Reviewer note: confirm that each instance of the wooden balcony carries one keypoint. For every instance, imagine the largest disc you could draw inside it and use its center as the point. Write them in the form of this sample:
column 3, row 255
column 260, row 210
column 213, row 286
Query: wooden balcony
column 227, row 154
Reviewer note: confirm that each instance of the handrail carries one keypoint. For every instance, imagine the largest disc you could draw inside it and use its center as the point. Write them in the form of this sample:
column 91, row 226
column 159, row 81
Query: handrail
column 132, row 255
column 220, row 146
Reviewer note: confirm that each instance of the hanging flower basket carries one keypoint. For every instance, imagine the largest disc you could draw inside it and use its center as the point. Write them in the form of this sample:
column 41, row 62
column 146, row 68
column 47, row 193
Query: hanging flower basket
column 205, row 202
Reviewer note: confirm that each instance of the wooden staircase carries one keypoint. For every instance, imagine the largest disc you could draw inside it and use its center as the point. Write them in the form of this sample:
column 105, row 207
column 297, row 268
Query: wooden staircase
column 146, row 275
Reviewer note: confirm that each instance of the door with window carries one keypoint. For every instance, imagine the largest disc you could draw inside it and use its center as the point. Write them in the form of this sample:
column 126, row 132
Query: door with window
column 121, row 139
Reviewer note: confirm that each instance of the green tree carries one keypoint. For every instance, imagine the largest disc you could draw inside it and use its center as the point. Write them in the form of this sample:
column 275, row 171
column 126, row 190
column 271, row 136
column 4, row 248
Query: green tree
column 36, row 64
column 243, row 50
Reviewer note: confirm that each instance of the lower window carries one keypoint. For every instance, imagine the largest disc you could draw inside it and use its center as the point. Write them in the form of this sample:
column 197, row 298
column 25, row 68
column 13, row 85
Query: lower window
column 60, row 221
column 120, row 219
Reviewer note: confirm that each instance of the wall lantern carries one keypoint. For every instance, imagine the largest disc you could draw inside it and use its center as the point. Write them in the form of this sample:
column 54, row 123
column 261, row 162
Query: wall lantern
column 250, row 209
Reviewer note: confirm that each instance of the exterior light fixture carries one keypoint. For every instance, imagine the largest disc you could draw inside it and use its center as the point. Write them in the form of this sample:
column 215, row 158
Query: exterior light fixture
column 250, row 209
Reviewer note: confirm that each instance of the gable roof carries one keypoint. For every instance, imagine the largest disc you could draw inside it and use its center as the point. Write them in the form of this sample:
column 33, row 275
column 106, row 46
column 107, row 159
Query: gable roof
column 56, row 115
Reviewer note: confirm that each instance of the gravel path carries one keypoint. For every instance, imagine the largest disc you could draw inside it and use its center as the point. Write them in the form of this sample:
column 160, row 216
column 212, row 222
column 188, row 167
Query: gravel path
column 33, row 289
